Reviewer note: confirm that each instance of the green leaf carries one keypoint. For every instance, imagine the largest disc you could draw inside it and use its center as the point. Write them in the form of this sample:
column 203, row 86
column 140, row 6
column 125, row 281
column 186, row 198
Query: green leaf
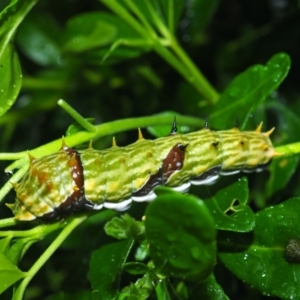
column 124, row 227
column 199, row 13
column 229, row 206
column 142, row 251
column 105, row 269
column 9, row 273
column 208, row 289
column 248, row 90
column 135, row 268
column 10, row 78
column 19, row 248
column 107, row 34
column 90, row 30
column 181, row 236
column 281, row 172
column 4, row 244
column 10, row 72
column 258, row 258
column 38, row 38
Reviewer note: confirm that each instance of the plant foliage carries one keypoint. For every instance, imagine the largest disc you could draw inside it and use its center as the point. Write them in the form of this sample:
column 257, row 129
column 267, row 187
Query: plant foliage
column 125, row 64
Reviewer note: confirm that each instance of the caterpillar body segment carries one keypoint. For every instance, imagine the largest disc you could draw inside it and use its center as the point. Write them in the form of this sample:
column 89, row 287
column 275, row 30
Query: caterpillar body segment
column 69, row 181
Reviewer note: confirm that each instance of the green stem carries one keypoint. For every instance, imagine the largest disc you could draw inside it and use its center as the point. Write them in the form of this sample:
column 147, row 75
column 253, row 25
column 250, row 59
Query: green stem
column 76, row 116
column 141, row 17
column 8, row 186
column 288, row 150
column 171, row 16
column 196, row 78
column 38, row 231
column 46, row 255
column 181, row 62
column 7, row 222
column 120, row 11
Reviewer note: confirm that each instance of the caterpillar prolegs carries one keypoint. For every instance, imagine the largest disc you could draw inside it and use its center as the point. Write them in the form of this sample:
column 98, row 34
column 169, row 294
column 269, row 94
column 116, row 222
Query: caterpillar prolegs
column 69, row 180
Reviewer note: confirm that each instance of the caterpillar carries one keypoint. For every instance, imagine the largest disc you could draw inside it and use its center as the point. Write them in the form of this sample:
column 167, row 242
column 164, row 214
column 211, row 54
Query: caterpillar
column 69, row 181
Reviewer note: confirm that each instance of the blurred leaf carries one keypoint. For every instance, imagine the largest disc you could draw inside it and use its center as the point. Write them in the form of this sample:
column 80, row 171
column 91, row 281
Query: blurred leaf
column 229, row 207
column 181, row 235
column 10, row 72
column 38, row 38
column 106, row 267
column 90, row 30
column 97, row 30
column 248, row 90
column 9, row 273
column 288, row 121
column 281, row 171
column 199, row 12
column 162, row 130
column 258, row 258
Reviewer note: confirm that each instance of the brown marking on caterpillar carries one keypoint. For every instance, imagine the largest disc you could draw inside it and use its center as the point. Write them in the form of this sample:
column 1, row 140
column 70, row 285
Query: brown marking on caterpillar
column 172, row 163
column 153, row 181
column 75, row 201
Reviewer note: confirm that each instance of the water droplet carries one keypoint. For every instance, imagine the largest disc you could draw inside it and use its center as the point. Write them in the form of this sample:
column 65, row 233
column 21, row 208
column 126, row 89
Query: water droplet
column 279, row 218
column 2, row 91
column 254, row 69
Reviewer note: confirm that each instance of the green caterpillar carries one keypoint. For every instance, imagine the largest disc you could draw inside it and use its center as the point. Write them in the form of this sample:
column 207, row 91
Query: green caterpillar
column 69, row 181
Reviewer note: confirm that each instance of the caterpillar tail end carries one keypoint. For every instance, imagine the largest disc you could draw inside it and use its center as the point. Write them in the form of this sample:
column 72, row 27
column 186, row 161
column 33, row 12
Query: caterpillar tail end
column 20, row 212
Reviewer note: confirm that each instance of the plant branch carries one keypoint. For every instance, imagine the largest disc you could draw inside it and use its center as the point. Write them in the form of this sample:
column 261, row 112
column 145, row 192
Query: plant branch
column 72, row 224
